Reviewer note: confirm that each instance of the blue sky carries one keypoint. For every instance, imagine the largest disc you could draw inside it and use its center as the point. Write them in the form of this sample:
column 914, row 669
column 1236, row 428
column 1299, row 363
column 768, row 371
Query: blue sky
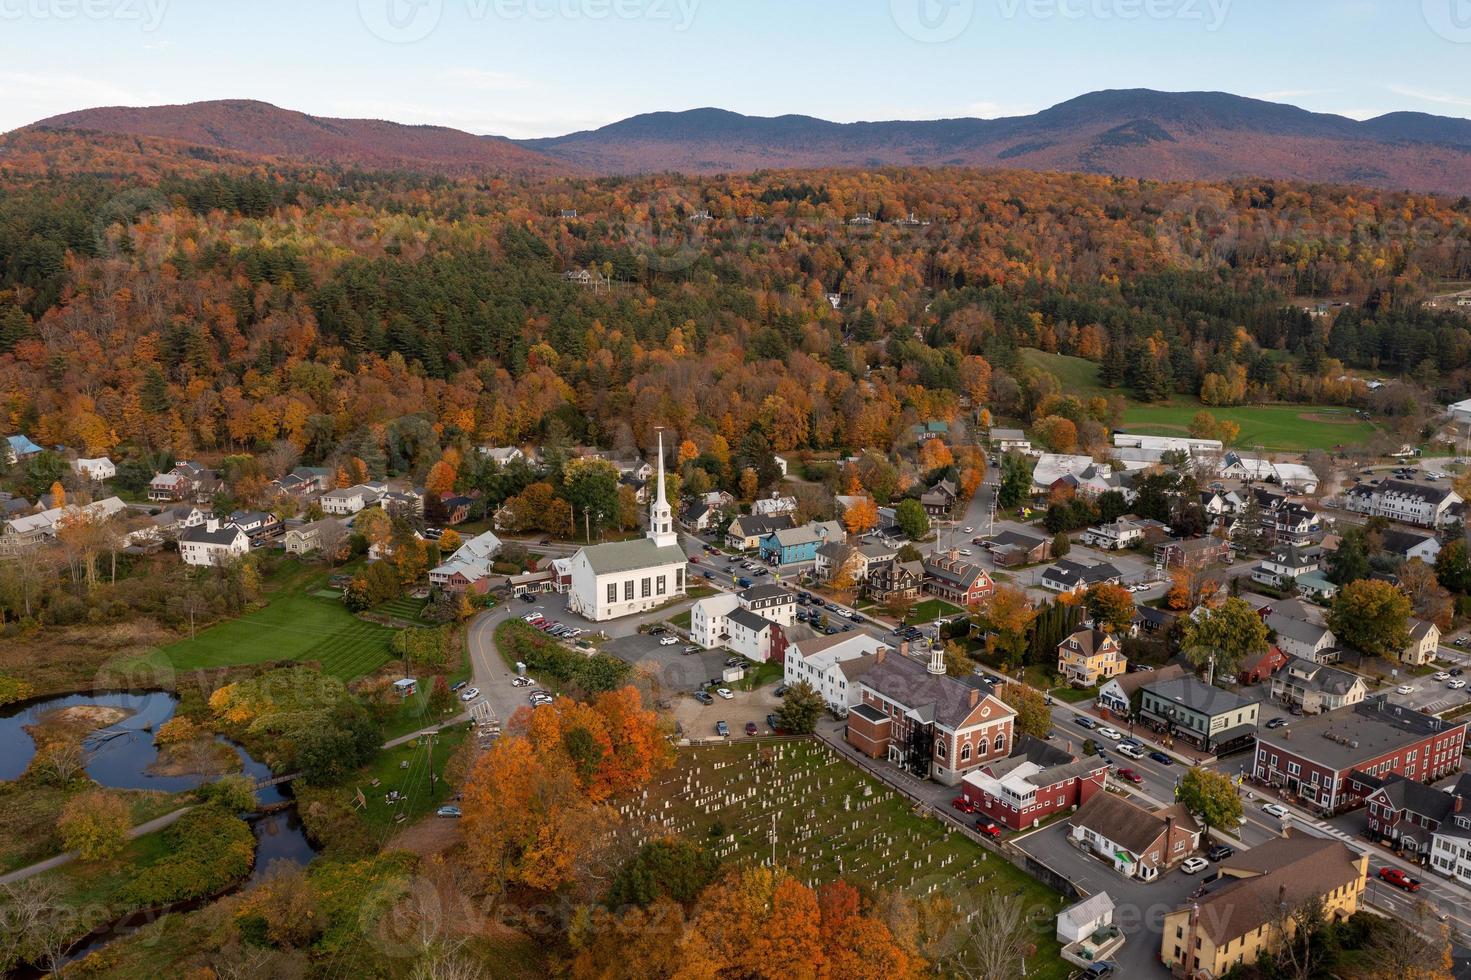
column 542, row 67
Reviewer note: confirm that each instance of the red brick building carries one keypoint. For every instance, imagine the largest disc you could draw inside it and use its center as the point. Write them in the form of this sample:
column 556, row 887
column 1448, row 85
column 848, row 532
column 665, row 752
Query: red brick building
column 935, row 726
column 1334, row 761
column 1036, row 781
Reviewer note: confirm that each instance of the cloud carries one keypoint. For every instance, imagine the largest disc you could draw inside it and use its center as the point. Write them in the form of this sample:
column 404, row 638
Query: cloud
column 472, row 118
column 31, row 96
column 1437, row 98
column 483, row 81
column 1288, row 94
column 997, row 110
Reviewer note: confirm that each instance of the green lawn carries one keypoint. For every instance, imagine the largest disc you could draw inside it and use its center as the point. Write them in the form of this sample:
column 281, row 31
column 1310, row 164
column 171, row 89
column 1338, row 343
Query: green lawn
column 931, row 610
column 295, row 624
column 863, row 832
column 1283, row 428
column 405, row 609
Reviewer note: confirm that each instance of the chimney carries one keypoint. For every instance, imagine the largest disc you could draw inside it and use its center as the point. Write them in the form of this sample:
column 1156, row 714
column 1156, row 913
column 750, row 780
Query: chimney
column 975, row 699
column 1459, row 800
column 904, row 648
column 879, row 656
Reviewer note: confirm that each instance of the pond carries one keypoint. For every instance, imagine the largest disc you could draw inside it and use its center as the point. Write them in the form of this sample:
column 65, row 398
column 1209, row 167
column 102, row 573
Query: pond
column 119, row 755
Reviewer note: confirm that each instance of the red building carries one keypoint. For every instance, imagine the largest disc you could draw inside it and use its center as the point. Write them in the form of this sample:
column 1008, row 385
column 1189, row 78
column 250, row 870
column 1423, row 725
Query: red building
column 1334, row 761
column 935, row 726
column 1035, row 782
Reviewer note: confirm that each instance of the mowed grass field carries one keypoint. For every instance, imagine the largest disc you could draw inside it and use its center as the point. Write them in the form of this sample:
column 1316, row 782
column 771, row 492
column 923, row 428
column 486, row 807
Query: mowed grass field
column 294, row 625
column 833, row 821
column 1281, row 428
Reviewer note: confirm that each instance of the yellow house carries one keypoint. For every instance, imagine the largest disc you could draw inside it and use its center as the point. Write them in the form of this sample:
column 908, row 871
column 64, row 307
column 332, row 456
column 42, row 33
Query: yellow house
column 1090, row 657
column 1424, row 642
column 1238, row 918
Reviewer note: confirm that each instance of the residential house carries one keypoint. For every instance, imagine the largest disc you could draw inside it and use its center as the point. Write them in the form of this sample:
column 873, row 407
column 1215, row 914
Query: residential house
column 798, row 545
column 1406, row 545
column 1316, row 688
column 1124, row 533
column 1010, row 549
column 746, row 532
column 1010, row 441
column 699, row 517
column 1120, row 695
column 185, row 482
column 347, row 501
column 308, row 538
column 1192, row 553
column 97, row 470
column 1139, row 843
column 933, row 725
column 1149, row 621
column 1287, row 522
column 934, row 429
column 1208, row 717
column 1077, row 474
column 1424, row 643
column 1450, row 843
column 1089, row 657
column 212, row 543
column 774, row 506
column 739, row 622
column 939, row 501
column 1286, row 565
column 1262, row 667
column 754, row 637
column 172, row 521
column 1410, row 503
column 1034, row 782
column 502, row 455
column 1235, row 918
column 1405, row 813
column 771, row 602
column 25, row 530
column 21, row 448
column 1071, row 576
column 1321, row 758
column 470, row 568
column 1301, row 632
column 902, row 579
column 834, row 666
column 955, row 580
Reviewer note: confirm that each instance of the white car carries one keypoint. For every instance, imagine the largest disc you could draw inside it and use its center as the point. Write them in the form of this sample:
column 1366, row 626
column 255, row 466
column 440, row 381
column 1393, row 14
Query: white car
column 1456, row 684
column 669, row 641
column 1194, row 865
column 967, row 530
column 523, row 682
column 470, row 694
column 1442, row 676
column 1276, row 809
column 725, row 693
column 1404, row 689
column 1112, row 734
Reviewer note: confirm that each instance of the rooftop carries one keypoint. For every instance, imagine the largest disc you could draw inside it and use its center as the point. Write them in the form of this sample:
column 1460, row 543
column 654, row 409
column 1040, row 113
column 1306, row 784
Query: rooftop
column 1342, row 739
column 1254, row 882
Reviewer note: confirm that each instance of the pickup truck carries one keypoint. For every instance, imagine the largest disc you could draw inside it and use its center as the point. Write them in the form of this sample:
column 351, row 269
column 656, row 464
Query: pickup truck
column 1399, row 879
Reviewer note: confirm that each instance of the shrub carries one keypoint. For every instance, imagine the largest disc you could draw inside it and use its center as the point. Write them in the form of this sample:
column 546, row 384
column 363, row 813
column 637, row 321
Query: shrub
column 235, row 794
column 209, row 849
column 95, row 825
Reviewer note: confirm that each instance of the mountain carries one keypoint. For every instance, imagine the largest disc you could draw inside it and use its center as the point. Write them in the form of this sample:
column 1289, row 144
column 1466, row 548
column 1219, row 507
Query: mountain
column 1135, row 132
column 261, row 129
column 1129, row 132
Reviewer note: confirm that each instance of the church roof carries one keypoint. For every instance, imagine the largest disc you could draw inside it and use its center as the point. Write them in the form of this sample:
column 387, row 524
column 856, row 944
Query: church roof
column 630, row 556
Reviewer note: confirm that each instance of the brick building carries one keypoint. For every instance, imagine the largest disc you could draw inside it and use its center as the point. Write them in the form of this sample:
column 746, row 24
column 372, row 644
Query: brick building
column 1034, row 782
column 1334, row 761
column 935, row 726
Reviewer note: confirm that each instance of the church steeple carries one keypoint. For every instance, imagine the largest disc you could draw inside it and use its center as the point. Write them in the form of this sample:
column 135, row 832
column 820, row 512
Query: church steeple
column 661, row 518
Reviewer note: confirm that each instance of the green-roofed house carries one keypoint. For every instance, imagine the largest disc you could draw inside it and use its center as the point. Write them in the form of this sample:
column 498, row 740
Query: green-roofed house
column 933, row 429
column 610, row 581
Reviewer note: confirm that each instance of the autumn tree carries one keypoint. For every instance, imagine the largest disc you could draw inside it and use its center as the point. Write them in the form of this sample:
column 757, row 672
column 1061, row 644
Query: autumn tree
column 1224, row 638
column 862, row 516
column 1428, row 599
column 1006, row 615
column 1371, row 616
column 1192, row 585
column 750, row 484
column 1211, row 796
column 95, row 825
column 1033, row 717
column 1110, row 606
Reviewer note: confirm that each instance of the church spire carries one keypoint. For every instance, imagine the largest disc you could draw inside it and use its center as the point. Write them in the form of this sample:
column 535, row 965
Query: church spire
column 661, row 518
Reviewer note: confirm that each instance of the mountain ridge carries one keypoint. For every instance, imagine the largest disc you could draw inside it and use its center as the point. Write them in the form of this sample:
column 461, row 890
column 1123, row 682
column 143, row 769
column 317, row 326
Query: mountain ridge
column 1126, row 132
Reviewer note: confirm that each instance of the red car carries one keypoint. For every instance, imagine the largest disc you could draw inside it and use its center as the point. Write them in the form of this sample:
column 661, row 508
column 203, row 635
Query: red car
column 963, row 805
column 751, row 729
column 1399, row 879
column 1130, row 775
column 989, row 829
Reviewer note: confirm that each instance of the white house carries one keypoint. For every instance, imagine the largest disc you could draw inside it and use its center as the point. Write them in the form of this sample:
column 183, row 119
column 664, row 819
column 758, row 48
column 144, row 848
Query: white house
column 707, row 619
column 21, row 532
column 1460, row 411
column 1398, row 500
column 833, row 665
column 774, row 506
column 1121, row 534
column 212, row 543
column 97, row 470
column 345, row 502
column 469, row 566
column 1301, row 634
column 610, row 581
column 1082, row 920
column 307, row 538
column 1287, row 564
column 1010, row 440
column 502, row 454
column 739, row 621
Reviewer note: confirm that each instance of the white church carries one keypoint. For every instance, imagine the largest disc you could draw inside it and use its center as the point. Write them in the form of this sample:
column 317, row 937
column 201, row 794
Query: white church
column 610, row 581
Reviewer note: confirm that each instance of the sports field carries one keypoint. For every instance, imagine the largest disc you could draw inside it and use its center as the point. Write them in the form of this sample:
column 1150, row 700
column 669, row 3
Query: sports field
column 294, row 625
column 1281, row 428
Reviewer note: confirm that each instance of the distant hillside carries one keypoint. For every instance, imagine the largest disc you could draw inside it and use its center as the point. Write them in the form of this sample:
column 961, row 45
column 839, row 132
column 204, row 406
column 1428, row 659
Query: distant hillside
column 1136, row 132
column 262, row 129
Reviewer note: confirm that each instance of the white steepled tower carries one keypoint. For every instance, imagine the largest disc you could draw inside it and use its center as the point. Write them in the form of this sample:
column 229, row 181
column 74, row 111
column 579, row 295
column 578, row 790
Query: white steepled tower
column 661, row 518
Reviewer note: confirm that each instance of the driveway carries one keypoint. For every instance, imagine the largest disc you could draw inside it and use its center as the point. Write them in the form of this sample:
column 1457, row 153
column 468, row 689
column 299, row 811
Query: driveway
column 1139, row 907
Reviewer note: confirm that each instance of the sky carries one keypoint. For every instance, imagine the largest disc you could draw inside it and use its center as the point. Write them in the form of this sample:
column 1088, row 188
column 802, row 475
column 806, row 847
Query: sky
column 530, row 68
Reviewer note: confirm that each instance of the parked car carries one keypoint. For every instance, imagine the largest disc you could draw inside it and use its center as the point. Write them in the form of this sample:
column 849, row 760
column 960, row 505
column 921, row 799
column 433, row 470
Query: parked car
column 448, row 811
column 751, row 729
column 1084, row 723
column 781, row 690
column 669, row 641
column 522, row 682
column 735, row 662
column 1277, row 723
column 704, row 698
column 963, row 805
column 725, row 693
column 470, row 695
column 1112, row 734
column 459, row 687
column 1456, row 671
column 1103, row 968
column 1456, row 683
column 1131, row 750
column 1192, row 865
column 1276, row 809
column 690, row 651
column 1129, row 775
column 1441, row 675
column 773, row 722
column 1399, row 879
column 722, row 729
column 988, row 828
column 1220, row 852
column 1404, row 689
column 1161, row 758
